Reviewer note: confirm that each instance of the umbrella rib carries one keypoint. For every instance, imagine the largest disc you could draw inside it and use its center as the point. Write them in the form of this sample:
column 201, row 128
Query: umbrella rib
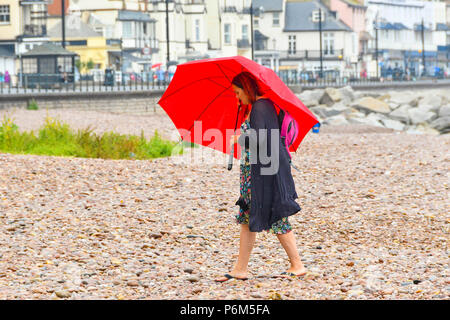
column 209, row 104
column 190, row 84
column 223, row 72
column 220, row 85
column 242, row 69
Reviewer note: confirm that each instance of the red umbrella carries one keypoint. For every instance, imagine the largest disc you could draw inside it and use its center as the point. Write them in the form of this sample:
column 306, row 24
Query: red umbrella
column 156, row 65
column 201, row 91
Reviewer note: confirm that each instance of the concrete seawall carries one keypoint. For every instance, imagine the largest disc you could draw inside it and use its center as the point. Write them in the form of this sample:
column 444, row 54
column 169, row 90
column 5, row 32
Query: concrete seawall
column 143, row 101
column 135, row 102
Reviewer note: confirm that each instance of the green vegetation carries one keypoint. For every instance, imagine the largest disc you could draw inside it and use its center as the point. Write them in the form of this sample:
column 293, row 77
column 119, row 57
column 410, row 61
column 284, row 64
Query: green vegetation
column 32, row 105
column 58, row 139
column 84, row 66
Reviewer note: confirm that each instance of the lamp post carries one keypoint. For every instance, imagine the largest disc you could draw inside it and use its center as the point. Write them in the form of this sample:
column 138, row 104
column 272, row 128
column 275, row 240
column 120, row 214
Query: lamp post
column 251, row 27
column 423, row 48
column 167, row 30
column 320, row 36
column 375, row 25
column 63, row 17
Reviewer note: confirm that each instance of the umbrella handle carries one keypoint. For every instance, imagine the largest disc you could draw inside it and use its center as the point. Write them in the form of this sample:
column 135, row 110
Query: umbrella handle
column 230, row 160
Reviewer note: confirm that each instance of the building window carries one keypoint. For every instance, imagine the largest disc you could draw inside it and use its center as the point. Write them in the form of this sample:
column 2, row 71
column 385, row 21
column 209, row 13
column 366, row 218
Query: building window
column 4, row 15
column 276, row 19
column 328, row 43
column 245, row 32
column 65, row 63
column 127, row 29
column 47, row 66
column 292, row 44
column 197, row 30
column 227, row 33
column 30, row 65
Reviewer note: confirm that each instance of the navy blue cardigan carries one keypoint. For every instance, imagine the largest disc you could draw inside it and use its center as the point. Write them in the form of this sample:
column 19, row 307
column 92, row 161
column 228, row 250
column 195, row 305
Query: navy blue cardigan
column 272, row 196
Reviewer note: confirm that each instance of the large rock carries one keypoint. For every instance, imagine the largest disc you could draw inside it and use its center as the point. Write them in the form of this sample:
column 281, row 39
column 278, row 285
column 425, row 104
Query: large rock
column 422, row 129
column 312, row 95
column 336, row 120
column 347, row 94
column 393, row 124
column 341, row 107
column 355, row 114
column 401, row 114
column 393, row 105
column 418, row 115
column 403, row 97
column 444, row 111
column 322, row 111
column 370, row 120
column 441, row 124
column 428, row 108
column 331, row 96
column 432, row 101
column 369, row 104
column 310, row 103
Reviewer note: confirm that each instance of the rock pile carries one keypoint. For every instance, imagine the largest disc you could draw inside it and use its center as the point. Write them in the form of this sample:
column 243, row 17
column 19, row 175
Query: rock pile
column 416, row 112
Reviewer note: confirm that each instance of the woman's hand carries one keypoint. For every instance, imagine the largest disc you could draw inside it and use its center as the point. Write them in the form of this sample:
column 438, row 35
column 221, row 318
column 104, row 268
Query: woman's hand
column 234, row 139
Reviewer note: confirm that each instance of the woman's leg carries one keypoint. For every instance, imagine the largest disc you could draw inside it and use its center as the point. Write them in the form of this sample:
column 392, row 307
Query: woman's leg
column 287, row 240
column 246, row 243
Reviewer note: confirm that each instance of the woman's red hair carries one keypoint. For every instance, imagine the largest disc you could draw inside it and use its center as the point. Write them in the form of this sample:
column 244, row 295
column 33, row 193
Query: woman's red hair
column 248, row 84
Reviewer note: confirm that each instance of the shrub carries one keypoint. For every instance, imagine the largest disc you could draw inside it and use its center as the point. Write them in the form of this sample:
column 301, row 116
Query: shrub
column 58, row 139
column 32, row 105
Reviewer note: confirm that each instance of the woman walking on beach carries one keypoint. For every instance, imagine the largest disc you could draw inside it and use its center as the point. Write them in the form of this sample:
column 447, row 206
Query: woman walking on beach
column 266, row 201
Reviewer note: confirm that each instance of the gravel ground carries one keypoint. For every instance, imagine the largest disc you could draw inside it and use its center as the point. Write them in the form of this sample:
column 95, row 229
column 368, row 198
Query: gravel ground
column 374, row 222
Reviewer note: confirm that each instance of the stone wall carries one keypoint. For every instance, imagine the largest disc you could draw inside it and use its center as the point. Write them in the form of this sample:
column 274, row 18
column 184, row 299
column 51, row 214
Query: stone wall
column 123, row 102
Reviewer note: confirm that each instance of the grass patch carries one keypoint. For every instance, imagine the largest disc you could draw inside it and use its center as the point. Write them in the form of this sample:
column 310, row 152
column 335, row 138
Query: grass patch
column 32, row 105
column 55, row 138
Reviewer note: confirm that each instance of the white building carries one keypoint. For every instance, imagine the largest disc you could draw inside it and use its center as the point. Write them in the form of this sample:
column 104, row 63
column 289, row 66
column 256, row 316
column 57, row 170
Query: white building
column 127, row 26
column 289, row 39
column 400, row 34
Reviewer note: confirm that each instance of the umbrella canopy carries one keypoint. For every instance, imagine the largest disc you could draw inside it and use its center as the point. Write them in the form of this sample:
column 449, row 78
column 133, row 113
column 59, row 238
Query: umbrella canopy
column 156, row 65
column 201, row 91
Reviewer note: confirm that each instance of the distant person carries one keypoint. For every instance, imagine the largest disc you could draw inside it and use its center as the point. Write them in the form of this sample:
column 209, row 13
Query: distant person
column 7, row 78
column 61, row 75
column 160, row 75
column 408, row 74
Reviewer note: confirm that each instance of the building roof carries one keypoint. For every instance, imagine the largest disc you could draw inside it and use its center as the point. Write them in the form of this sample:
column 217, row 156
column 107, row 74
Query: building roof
column 299, row 18
column 260, row 36
column 48, row 49
column 418, row 27
column 268, row 5
column 79, row 30
column 391, row 26
column 126, row 15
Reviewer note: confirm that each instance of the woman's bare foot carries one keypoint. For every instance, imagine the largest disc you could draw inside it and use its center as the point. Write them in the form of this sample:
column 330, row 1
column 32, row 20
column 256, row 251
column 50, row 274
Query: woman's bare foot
column 234, row 274
column 297, row 271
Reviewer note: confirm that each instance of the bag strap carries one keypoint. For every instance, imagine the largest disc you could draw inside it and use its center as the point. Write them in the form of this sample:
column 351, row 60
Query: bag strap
column 279, row 108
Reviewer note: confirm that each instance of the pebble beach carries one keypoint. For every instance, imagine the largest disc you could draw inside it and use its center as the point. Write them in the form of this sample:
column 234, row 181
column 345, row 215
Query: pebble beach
column 374, row 222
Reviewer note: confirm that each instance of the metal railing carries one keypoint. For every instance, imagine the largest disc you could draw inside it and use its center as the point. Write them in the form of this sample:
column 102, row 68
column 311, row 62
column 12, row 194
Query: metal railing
column 56, row 83
column 146, row 81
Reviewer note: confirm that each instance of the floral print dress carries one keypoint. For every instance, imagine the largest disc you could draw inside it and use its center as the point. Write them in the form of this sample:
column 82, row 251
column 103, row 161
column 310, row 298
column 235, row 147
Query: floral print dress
column 280, row 227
